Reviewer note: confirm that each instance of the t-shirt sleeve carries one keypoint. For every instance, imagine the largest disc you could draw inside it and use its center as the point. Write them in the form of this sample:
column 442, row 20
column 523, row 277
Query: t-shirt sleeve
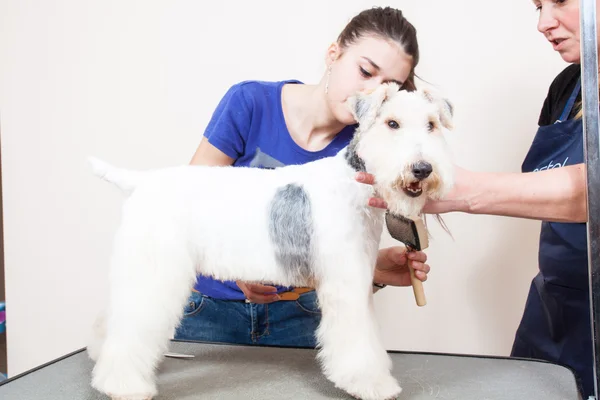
column 558, row 94
column 228, row 127
column 546, row 112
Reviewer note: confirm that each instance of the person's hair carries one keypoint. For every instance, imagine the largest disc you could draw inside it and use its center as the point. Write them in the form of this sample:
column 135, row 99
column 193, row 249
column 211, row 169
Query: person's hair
column 387, row 23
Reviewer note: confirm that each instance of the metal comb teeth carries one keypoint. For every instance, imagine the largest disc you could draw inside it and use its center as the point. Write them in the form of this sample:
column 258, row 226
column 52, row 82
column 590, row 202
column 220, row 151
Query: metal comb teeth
column 403, row 230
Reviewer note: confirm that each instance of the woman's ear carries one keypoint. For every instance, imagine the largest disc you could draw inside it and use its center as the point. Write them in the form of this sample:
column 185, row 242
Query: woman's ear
column 332, row 54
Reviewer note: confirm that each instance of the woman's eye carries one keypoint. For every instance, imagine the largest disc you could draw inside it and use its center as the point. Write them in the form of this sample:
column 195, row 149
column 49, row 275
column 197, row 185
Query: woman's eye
column 365, row 73
column 393, row 124
column 430, row 126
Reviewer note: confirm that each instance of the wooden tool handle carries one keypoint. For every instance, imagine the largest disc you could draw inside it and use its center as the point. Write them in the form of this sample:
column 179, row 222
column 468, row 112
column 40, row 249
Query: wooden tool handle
column 417, row 288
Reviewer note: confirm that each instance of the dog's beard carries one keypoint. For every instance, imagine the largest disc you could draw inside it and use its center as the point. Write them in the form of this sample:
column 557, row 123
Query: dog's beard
column 433, row 186
column 407, row 195
column 400, row 203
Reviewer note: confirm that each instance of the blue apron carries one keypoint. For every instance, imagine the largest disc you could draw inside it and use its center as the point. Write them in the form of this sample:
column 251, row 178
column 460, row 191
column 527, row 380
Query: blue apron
column 556, row 321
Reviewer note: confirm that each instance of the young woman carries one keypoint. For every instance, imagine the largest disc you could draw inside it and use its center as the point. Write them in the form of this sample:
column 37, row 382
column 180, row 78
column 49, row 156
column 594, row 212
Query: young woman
column 270, row 124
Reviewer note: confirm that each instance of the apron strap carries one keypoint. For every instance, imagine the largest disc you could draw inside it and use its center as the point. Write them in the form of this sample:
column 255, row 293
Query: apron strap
column 570, row 102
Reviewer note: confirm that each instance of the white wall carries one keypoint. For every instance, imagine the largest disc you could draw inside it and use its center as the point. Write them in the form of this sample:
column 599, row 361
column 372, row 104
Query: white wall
column 135, row 82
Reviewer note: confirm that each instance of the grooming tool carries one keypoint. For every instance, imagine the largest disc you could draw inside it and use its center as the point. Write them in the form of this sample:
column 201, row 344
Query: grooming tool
column 413, row 234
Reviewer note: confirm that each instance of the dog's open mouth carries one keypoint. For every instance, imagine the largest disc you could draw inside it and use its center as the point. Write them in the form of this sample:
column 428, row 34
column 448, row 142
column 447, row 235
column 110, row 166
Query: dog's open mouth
column 414, row 189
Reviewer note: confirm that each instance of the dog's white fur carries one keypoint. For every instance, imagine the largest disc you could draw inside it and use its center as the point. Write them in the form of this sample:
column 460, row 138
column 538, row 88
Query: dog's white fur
column 182, row 221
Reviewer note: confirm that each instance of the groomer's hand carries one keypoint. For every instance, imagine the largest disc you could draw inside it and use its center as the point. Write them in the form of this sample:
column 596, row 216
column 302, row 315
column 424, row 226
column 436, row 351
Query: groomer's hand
column 257, row 293
column 369, row 179
column 465, row 183
column 392, row 266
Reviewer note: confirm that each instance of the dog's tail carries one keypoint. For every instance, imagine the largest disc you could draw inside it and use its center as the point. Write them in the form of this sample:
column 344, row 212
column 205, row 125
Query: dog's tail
column 124, row 179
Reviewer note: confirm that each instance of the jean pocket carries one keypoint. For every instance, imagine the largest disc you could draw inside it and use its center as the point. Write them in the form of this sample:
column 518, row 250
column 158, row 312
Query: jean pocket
column 308, row 302
column 194, row 305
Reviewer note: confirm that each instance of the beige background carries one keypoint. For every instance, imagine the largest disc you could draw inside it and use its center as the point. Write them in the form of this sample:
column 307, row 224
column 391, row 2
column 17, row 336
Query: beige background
column 135, row 82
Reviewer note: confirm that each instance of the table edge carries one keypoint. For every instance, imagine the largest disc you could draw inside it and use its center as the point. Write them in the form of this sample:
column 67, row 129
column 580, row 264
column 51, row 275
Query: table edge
column 424, row 353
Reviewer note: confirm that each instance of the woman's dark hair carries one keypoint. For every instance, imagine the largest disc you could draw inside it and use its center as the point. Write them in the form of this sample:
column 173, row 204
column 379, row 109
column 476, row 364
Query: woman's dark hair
column 387, row 23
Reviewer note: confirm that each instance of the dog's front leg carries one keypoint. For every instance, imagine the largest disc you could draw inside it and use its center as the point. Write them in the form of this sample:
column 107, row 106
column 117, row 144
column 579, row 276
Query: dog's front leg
column 351, row 351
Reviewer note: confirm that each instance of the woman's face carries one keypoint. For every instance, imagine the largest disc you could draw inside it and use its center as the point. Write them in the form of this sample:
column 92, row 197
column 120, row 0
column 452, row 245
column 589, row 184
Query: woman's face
column 362, row 66
column 559, row 23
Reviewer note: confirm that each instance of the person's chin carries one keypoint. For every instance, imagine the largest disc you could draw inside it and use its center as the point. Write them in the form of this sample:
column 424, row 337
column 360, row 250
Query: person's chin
column 571, row 56
column 349, row 121
column 345, row 117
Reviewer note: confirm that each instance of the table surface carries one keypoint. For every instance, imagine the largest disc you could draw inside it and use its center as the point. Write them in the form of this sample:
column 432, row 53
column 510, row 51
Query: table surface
column 220, row 371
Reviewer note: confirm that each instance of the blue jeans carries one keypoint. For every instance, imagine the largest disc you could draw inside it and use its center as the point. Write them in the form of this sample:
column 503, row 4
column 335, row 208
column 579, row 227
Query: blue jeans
column 282, row 323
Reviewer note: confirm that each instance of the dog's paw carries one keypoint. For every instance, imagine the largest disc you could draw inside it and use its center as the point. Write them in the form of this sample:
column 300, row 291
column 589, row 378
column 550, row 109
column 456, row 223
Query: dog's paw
column 132, row 397
column 118, row 385
column 382, row 388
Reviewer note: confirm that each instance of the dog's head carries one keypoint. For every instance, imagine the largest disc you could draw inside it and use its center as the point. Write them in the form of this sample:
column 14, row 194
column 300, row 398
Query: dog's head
column 400, row 140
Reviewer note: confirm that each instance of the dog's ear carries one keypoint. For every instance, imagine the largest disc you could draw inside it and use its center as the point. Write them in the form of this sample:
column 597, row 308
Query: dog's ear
column 445, row 107
column 365, row 106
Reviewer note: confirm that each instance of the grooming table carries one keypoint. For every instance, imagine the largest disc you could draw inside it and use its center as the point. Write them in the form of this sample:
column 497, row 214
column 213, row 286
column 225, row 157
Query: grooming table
column 246, row 372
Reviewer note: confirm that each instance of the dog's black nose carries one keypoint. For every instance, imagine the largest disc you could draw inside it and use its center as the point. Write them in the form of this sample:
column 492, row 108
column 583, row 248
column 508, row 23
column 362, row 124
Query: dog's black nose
column 421, row 170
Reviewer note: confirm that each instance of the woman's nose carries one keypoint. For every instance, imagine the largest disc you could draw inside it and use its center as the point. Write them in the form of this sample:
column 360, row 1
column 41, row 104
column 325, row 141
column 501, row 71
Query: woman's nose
column 547, row 20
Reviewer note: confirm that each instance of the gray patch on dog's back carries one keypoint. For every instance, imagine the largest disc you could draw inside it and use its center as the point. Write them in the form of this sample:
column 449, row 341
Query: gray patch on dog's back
column 291, row 230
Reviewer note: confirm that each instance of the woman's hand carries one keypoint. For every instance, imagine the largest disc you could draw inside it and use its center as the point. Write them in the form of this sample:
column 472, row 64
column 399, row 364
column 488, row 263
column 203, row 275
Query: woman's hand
column 369, row 179
column 457, row 198
column 257, row 293
column 393, row 263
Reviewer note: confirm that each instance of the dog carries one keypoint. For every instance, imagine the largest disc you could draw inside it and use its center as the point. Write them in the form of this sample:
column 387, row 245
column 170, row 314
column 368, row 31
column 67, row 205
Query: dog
column 299, row 225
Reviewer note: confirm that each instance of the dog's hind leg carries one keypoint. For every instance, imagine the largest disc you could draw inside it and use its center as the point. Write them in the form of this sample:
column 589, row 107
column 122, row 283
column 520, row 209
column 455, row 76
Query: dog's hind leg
column 351, row 351
column 151, row 275
column 97, row 337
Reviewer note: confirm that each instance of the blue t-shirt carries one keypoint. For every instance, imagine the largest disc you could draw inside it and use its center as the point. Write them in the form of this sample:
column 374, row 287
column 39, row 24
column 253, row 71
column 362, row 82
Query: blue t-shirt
column 248, row 125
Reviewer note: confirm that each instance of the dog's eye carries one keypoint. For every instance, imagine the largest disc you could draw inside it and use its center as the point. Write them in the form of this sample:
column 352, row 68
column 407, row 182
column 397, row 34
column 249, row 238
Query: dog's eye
column 430, row 126
column 393, row 124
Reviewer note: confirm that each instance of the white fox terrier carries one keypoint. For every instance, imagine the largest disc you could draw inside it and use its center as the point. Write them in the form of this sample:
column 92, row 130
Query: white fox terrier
column 301, row 225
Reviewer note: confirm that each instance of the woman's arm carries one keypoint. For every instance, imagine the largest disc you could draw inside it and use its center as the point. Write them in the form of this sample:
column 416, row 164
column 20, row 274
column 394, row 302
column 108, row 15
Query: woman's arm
column 207, row 154
column 557, row 195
